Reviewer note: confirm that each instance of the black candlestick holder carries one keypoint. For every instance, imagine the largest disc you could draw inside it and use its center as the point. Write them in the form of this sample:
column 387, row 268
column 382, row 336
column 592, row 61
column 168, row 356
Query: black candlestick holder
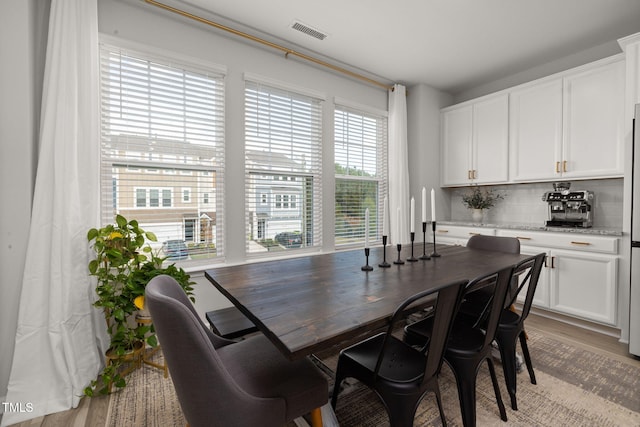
column 366, row 267
column 412, row 258
column 424, row 242
column 384, row 263
column 434, row 254
column 399, row 261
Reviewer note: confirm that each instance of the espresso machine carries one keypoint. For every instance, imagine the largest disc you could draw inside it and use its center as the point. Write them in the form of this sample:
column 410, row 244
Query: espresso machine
column 569, row 208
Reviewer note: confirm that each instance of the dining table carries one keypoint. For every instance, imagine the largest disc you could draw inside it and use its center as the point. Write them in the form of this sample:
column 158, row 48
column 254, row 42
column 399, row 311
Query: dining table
column 307, row 304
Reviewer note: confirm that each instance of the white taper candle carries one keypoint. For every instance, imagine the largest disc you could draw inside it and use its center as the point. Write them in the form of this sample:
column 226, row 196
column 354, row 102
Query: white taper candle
column 413, row 214
column 366, row 228
column 424, row 204
column 385, row 217
column 433, row 205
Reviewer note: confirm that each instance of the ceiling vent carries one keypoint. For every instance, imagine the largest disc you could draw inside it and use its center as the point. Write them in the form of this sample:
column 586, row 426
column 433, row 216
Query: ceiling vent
column 303, row 28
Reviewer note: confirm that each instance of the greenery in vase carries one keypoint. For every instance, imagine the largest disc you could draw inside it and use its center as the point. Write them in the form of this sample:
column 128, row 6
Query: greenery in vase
column 481, row 199
column 124, row 264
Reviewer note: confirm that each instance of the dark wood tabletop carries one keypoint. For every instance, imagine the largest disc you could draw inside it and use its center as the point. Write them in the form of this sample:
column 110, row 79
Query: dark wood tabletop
column 311, row 303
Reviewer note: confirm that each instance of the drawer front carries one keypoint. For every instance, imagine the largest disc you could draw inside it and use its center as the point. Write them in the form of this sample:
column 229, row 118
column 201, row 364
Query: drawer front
column 573, row 241
column 455, row 232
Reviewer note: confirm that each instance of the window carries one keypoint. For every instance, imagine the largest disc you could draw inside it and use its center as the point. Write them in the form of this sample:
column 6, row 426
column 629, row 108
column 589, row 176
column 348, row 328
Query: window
column 283, row 140
column 162, row 137
column 361, row 173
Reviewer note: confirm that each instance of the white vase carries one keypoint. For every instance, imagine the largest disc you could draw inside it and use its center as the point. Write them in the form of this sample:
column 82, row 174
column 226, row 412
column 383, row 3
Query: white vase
column 477, row 215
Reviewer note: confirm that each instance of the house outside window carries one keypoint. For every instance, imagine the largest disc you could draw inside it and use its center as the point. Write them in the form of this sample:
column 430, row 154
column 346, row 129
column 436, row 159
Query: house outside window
column 283, row 152
column 162, row 133
column 360, row 144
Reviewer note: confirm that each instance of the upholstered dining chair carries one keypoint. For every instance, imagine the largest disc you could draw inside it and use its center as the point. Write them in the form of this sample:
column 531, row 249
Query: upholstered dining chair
column 399, row 374
column 469, row 345
column 226, row 383
column 511, row 325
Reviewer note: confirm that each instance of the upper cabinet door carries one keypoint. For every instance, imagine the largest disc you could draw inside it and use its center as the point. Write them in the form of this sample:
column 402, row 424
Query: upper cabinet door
column 490, row 149
column 594, row 122
column 475, row 142
column 456, row 127
column 535, row 119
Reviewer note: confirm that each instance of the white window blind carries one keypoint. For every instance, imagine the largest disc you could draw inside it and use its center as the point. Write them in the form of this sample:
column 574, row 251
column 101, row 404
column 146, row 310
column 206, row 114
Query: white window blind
column 283, row 140
column 361, row 173
column 162, row 136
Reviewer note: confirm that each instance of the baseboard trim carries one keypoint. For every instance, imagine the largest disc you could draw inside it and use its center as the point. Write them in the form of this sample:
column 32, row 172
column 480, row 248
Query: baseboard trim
column 579, row 323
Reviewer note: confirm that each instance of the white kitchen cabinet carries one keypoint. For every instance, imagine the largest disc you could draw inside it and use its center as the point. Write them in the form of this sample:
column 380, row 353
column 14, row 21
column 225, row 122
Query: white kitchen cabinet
column 579, row 277
column 475, row 141
column 584, row 285
column 535, row 130
column 594, row 122
column 569, row 126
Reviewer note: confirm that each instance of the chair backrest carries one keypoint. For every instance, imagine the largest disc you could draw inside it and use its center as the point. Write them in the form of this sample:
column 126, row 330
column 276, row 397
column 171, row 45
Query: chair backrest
column 446, row 307
column 531, row 269
column 500, row 281
column 202, row 382
column 494, row 243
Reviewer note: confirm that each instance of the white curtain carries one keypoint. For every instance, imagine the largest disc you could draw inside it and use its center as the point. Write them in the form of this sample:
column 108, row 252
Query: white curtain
column 398, row 166
column 60, row 335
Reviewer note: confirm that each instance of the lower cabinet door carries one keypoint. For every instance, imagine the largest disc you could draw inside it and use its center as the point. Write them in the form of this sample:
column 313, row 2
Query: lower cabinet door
column 584, row 285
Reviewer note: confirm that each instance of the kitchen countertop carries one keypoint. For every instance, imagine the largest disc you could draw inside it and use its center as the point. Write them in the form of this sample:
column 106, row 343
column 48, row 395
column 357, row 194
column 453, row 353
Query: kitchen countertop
column 537, row 227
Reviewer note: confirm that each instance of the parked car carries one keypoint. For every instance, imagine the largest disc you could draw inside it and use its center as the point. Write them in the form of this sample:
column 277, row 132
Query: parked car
column 175, row 249
column 289, row 239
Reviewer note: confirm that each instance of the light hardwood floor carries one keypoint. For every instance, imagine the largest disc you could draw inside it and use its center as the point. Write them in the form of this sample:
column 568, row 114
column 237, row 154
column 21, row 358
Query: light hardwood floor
column 92, row 412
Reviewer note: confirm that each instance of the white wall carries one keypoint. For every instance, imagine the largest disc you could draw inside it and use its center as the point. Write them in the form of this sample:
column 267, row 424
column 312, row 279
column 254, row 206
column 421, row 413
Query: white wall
column 23, row 27
column 423, row 134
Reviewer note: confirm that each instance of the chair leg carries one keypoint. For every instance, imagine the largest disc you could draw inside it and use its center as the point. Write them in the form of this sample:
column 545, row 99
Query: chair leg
column 316, row 417
column 508, row 356
column 336, row 387
column 466, row 381
column 496, row 389
column 436, row 391
column 527, row 356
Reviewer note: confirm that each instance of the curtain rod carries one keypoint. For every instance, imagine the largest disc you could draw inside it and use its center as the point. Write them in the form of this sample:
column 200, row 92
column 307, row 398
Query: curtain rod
column 286, row 50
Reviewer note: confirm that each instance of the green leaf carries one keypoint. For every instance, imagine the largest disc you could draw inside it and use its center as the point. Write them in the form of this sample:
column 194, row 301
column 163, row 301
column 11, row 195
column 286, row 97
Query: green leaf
column 92, row 234
column 121, row 221
column 152, row 340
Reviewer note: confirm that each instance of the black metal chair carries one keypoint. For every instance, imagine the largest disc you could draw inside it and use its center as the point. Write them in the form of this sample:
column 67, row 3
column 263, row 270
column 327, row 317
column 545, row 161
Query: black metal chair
column 475, row 302
column 511, row 325
column 469, row 345
column 226, row 383
column 399, row 374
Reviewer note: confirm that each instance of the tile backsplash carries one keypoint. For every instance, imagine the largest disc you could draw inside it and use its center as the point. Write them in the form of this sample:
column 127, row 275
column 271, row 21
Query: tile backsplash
column 523, row 203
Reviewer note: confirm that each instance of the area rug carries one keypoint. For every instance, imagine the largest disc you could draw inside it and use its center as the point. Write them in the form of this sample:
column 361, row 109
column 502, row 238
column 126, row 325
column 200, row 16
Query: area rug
column 576, row 387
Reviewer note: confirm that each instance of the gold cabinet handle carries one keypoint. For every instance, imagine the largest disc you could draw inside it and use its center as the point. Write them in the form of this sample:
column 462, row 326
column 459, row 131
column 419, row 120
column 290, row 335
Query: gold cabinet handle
column 474, row 234
column 475, row 174
column 523, row 238
column 443, row 231
column 557, row 167
column 469, row 174
column 581, row 243
column 564, row 166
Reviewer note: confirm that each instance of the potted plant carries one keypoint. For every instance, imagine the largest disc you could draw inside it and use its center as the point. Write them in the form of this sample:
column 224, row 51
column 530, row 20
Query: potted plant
column 479, row 200
column 124, row 264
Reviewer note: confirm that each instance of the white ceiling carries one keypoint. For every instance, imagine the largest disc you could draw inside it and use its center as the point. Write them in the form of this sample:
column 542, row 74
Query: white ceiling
column 452, row 45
